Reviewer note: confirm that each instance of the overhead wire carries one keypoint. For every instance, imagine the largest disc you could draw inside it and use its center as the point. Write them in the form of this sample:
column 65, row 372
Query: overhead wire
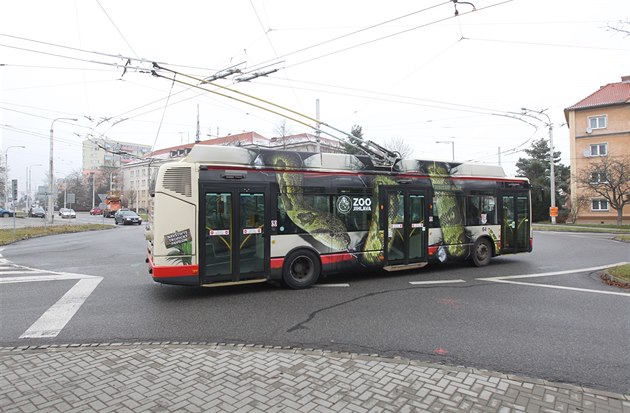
column 117, row 56
column 358, row 31
column 163, row 113
column 144, row 70
column 397, row 33
column 576, row 46
column 266, row 32
column 390, row 97
column 116, row 27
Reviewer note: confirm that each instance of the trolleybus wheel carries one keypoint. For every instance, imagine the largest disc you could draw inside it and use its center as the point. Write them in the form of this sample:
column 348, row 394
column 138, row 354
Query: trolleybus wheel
column 482, row 252
column 301, row 269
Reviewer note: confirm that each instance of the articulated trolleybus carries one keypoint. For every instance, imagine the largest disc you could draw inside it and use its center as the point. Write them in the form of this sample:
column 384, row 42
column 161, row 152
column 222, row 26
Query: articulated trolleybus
column 228, row 215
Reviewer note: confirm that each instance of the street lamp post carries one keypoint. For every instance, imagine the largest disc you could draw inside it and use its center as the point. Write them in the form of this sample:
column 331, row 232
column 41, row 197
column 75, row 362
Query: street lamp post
column 51, row 203
column 6, row 173
column 29, row 183
column 452, row 147
column 552, row 172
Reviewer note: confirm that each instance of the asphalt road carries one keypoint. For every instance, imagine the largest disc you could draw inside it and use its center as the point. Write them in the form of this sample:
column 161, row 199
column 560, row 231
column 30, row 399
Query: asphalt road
column 563, row 324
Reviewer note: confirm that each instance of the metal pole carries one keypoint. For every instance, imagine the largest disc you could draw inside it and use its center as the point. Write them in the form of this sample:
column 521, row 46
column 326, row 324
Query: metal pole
column 15, row 190
column 552, row 172
column 28, row 186
column 92, row 190
column 51, row 178
column 6, row 181
column 317, row 131
column 6, row 174
column 452, row 147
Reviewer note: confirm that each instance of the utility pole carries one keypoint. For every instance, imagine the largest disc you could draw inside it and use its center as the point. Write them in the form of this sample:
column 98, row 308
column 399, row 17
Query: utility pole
column 93, row 189
column 51, row 178
column 197, row 138
column 317, row 131
column 552, row 173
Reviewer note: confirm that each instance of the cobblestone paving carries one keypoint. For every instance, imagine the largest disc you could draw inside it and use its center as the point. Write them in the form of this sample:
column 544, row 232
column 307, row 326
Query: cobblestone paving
column 194, row 377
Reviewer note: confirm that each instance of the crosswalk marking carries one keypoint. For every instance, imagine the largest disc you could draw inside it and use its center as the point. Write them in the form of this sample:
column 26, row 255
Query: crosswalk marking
column 56, row 317
column 59, row 314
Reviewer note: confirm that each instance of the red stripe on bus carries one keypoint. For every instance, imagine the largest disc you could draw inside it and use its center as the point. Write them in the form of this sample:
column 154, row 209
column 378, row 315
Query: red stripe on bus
column 335, row 258
column 276, row 263
column 175, row 271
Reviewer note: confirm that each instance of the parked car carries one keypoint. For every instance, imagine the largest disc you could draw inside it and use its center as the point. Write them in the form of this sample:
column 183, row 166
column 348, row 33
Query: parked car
column 5, row 213
column 37, row 212
column 127, row 217
column 67, row 213
column 96, row 211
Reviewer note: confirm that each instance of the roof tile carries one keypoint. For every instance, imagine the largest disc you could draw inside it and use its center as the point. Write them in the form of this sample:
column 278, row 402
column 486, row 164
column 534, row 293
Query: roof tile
column 610, row 94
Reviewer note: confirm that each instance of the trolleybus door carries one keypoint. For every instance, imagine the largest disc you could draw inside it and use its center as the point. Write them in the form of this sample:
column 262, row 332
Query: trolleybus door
column 405, row 212
column 515, row 224
column 235, row 242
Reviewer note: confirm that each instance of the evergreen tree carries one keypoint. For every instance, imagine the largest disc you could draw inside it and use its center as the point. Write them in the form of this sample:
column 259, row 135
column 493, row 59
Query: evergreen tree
column 355, row 139
column 536, row 169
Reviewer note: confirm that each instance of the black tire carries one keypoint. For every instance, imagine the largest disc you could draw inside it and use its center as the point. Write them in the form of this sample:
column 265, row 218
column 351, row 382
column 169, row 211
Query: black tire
column 482, row 252
column 301, row 269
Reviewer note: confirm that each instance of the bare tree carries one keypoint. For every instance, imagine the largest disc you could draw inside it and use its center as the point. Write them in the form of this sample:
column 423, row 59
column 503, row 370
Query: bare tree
column 130, row 196
column 398, row 145
column 283, row 130
column 580, row 203
column 609, row 178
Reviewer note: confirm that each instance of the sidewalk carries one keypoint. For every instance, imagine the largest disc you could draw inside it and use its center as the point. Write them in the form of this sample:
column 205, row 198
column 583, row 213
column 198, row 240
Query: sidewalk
column 578, row 228
column 194, row 377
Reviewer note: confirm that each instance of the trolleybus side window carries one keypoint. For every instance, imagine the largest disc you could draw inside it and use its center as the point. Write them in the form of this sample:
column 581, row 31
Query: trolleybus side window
column 354, row 209
column 319, row 203
column 480, row 209
column 456, row 214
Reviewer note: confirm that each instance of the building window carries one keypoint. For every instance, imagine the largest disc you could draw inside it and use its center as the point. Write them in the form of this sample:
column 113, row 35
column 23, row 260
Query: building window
column 598, row 178
column 597, row 122
column 599, row 205
column 600, row 149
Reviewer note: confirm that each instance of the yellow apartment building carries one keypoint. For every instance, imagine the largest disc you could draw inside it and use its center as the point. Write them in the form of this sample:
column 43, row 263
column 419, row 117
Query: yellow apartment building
column 599, row 125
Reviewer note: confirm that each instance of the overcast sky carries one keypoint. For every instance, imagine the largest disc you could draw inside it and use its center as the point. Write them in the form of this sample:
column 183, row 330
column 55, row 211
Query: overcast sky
column 403, row 69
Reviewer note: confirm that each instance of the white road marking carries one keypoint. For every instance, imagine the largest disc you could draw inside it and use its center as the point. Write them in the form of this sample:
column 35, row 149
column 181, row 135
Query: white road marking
column 19, row 270
column 436, row 282
column 507, row 279
column 561, row 287
column 56, row 317
column 332, row 285
column 546, row 274
column 47, row 277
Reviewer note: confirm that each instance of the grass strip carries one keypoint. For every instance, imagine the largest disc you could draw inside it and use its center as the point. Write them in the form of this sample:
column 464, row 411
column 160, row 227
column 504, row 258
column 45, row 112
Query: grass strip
column 8, row 237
